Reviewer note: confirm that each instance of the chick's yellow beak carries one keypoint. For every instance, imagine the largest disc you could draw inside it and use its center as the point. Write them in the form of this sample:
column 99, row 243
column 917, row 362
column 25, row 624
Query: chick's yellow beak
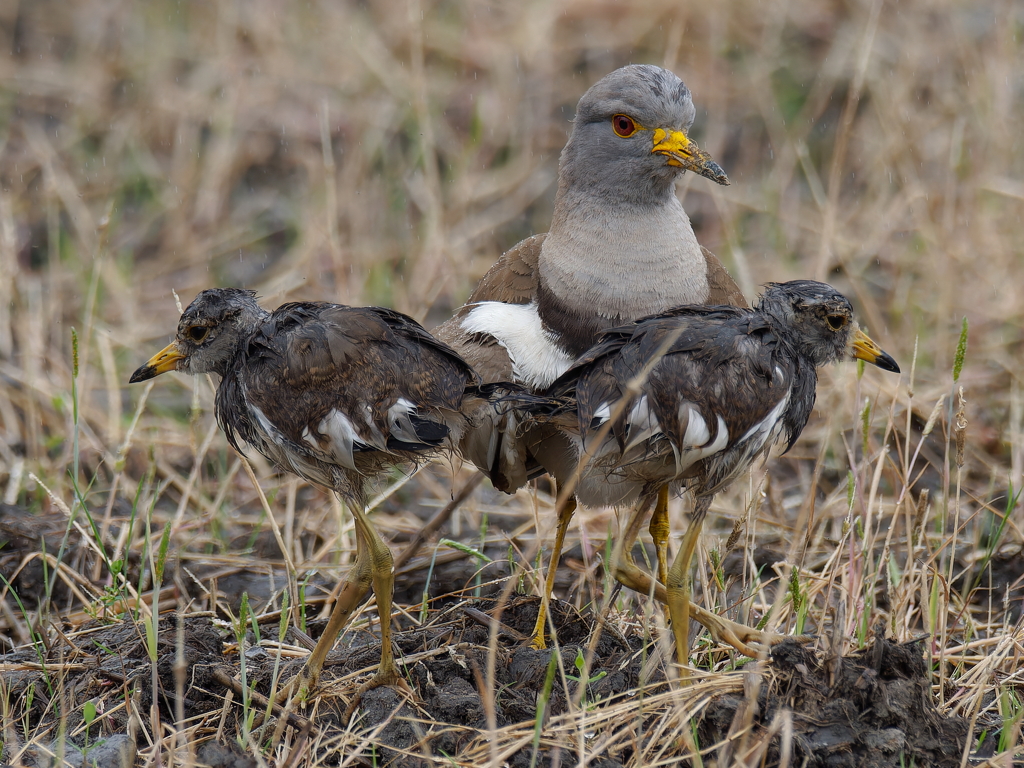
column 684, row 153
column 867, row 350
column 167, row 359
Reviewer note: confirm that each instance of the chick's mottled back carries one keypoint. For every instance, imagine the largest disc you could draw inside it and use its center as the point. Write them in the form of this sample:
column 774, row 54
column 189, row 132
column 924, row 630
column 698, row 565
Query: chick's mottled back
column 692, row 396
column 714, row 387
column 342, row 387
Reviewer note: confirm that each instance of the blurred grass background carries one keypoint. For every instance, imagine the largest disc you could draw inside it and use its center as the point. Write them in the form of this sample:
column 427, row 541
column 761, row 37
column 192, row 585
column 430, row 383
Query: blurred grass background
column 387, row 152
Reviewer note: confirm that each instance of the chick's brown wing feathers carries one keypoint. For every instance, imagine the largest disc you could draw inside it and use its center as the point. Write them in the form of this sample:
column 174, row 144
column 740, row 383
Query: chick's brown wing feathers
column 311, row 359
column 720, row 360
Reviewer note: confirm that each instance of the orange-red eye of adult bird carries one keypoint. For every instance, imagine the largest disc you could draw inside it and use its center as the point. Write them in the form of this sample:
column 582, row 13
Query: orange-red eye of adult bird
column 624, row 126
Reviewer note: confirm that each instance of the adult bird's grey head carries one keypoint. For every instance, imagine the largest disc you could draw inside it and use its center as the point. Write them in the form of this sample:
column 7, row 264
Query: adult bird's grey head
column 210, row 333
column 631, row 138
column 620, row 245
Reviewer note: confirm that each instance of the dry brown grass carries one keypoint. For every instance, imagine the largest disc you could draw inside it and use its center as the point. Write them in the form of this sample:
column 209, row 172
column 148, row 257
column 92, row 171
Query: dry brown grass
column 387, row 153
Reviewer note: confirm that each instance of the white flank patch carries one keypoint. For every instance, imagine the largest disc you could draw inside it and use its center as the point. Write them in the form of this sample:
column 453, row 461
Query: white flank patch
column 274, row 443
column 697, row 442
column 536, row 360
column 338, row 427
column 274, row 447
column 268, row 429
column 765, row 427
column 721, row 441
column 376, row 437
column 643, row 424
column 697, row 432
column 399, row 422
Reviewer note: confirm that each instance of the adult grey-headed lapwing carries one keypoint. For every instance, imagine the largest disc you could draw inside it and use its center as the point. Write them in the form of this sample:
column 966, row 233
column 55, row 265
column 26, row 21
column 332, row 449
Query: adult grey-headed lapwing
column 620, row 247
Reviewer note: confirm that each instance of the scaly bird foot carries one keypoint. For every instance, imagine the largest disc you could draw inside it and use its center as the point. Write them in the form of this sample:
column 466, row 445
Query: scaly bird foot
column 387, row 674
column 747, row 640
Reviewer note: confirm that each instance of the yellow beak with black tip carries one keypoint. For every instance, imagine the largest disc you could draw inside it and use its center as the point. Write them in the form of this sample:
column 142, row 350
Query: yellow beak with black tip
column 684, row 153
column 865, row 349
column 167, row 359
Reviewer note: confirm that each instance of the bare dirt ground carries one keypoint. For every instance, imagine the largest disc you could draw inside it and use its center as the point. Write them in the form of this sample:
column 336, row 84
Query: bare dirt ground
column 866, row 709
column 155, row 585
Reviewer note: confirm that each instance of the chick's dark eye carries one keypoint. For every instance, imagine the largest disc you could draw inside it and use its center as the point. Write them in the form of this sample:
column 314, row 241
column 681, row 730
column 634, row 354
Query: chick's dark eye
column 197, row 332
column 835, row 322
column 623, row 126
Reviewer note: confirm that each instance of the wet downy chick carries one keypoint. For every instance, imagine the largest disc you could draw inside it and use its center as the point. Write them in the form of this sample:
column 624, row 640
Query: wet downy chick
column 691, row 397
column 335, row 394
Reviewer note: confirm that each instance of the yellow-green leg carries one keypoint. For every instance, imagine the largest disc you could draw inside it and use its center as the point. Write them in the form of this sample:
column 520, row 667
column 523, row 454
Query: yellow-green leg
column 626, row 571
column 659, row 532
column 677, row 586
column 383, row 575
column 722, row 630
column 373, row 566
column 564, row 518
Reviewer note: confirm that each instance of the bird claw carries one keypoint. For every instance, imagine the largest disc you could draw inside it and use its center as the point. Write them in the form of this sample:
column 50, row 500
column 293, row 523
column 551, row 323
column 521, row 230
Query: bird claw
column 747, row 640
column 382, row 677
column 298, row 688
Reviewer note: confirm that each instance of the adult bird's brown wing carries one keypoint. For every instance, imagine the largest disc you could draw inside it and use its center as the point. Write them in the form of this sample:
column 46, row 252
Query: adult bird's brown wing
column 511, row 280
column 513, row 277
column 723, row 289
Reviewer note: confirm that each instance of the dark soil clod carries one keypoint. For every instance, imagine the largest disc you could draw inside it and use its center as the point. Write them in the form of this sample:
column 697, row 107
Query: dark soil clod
column 873, row 709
